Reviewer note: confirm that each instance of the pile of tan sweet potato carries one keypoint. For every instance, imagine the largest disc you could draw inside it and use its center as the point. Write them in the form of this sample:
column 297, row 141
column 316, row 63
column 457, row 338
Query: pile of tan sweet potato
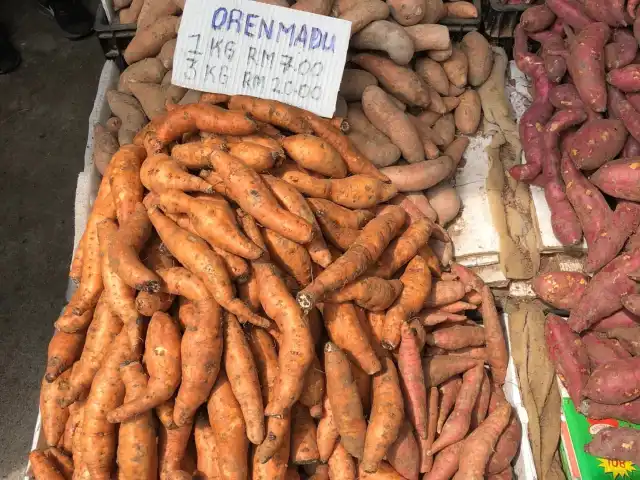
column 220, row 329
column 408, row 94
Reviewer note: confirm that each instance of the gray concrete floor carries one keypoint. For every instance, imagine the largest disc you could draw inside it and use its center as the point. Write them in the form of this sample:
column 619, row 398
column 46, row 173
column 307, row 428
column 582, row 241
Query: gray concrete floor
column 44, row 109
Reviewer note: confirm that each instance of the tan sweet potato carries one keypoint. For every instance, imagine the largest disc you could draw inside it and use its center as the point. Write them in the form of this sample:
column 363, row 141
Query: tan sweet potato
column 468, row 113
column 478, row 51
column 130, row 112
column 439, row 368
column 388, row 37
column 445, row 130
column 361, row 14
column 461, row 9
column 429, row 37
column 444, row 199
column 148, row 70
column 401, row 82
column 457, row 68
column 354, row 81
column 421, row 175
column 149, row 42
column 393, row 122
column 432, row 73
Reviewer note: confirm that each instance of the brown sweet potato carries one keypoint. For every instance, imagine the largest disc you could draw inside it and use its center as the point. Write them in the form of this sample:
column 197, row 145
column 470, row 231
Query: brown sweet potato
column 439, row 368
column 560, row 289
column 401, row 82
column 147, row 43
column 480, row 56
column 407, row 12
column 569, row 355
column 597, row 142
column 421, row 175
column 354, row 81
column 393, row 122
column 361, row 14
column 429, row 37
column 469, row 112
column 616, row 444
column 457, row 68
column 586, row 64
column 388, row 37
column 506, row 447
column 432, row 73
column 456, row 337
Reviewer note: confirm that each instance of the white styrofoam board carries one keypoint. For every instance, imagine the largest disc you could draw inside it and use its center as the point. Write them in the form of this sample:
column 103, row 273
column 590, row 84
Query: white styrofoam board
column 86, row 190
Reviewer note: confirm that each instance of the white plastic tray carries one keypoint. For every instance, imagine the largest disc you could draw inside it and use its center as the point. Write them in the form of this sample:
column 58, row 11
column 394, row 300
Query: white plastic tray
column 477, row 235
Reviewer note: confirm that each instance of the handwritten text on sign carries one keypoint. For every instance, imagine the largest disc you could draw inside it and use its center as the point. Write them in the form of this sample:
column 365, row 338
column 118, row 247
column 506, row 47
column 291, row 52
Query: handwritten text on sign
column 249, row 48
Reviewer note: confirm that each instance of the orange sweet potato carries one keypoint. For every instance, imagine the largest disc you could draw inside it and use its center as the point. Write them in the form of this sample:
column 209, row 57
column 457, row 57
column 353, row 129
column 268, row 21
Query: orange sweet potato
column 162, row 358
column 327, row 432
column 243, row 378
column 160, row 172
column 355, row 161
column 345, row 401
column 124, row 178
column 346, row 331
column 225, row 415
column 271, row 111
column 137, row 453
column 195, row 255
column 416, row 281
column 449, row 392
column 196, row 154
column 375, row 236
column 293, row 201
column 457, row 425
column 290, row 256
column 457, row 336
column 64, row 349
column 371, row 293
column 206, row 451
column 315, row 154
column 439, row 368
column 304, row 447
column 44, row 467
column 478, row 446
column 412, row 382
column 54, row 415
column 506, row 447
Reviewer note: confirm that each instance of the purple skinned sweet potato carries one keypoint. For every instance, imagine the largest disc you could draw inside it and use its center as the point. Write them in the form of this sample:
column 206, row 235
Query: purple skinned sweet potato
column 615, row 382
column 616, row 444
column 597, row 142
column 619, row 178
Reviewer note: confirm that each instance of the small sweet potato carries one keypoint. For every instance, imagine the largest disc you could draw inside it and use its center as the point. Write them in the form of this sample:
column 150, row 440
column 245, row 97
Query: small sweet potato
column 432, row 73
column 569, row 355
column 469, row 112
column 622, row 50
column 149, row 42
column 597, row 142
column 149, row 70
column 429, row 37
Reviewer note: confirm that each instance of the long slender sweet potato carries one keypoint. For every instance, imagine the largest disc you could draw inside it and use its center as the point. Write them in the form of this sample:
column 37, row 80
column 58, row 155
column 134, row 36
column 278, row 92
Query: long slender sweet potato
column 448, row 393
column 54, row 415
column 327, row 432
column 404, row 455
column 206, row 451
column 412, row 382
column 172, row 446
column 404, row 248
column 345, row 401
column 270, row 111
column 201, row 346
column 480, row 443
column 602, row 296
column 446, row 463
column 44, row 467
column 160, row 172
column 357, row 191
column 137, row 453
column 416, row 281
column 457, row 425
column 420, row 175
column 368, row 247
column 98, row 436
column 103, row 330
column 616, row 444
column 386, row 418
column 162, row 358
column 568, row 354
column 243, row 377
column 506, row 447
column 345, row 217
column 196, row 256
column 229, row 432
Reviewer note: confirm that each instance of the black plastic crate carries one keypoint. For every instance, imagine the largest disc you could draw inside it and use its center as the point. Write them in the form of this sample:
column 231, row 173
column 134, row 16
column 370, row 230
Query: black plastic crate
column 114, row 38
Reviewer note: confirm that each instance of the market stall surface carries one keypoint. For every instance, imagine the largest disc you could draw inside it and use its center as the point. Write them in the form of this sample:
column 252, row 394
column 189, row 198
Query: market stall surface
column 44, row 108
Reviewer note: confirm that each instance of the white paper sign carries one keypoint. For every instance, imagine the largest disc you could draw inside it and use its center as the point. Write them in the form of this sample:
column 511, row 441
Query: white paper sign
column 249, row 48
